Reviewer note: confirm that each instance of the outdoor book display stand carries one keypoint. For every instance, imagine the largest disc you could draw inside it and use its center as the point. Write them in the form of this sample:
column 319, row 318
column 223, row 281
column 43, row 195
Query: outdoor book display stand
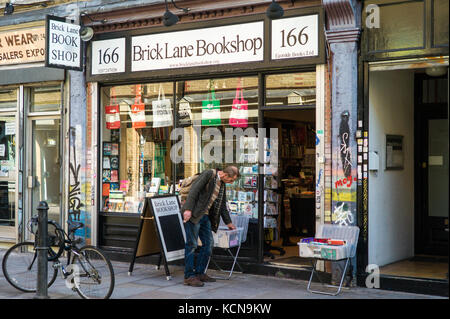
column 227, row 239
column 161, row 231
column 321, row 251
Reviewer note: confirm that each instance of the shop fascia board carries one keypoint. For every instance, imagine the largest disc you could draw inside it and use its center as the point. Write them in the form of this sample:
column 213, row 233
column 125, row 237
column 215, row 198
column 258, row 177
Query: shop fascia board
column 65, row 10
column 199, row 10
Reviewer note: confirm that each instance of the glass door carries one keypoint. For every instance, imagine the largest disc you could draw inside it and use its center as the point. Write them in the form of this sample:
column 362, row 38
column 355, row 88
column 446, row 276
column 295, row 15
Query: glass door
column 45, row 181
column 43, row 151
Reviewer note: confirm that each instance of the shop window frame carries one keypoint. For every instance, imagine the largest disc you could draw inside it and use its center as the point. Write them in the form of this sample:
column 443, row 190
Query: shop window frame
column 261, row 108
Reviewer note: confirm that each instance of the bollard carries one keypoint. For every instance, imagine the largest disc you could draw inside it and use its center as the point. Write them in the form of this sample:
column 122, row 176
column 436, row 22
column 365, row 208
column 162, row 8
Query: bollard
column 42, row 252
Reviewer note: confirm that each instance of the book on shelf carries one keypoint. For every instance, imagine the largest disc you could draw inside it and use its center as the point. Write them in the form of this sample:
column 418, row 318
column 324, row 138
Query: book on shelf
column 106, row 162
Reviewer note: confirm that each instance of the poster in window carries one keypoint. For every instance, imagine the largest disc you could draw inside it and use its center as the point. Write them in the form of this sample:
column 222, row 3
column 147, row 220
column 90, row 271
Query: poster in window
column 106, row 175
column 106, row 148
column 114, row 160
column 106, row 163
column 114, row 149
column 4, row 139
column 114, row 176
column 105, row 189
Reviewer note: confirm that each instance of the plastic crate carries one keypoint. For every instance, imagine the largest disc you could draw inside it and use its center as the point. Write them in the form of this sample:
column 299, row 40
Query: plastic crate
column 226, row 238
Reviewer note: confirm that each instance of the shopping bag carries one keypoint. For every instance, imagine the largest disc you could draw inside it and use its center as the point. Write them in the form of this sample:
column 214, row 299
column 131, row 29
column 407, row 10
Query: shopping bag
column 211, row 110
column 138, row 110
column 112, row 112
column 112, row 117
column 239, row 110
column 138, row 115
column 184, row 113
column 162, row 114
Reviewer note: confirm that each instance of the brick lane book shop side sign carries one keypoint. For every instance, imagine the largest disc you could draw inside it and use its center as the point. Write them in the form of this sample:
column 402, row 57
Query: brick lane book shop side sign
column 201, row 47
column 63, row 43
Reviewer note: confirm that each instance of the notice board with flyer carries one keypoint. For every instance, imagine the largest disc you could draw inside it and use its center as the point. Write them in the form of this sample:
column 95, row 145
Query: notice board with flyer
column 161, row 231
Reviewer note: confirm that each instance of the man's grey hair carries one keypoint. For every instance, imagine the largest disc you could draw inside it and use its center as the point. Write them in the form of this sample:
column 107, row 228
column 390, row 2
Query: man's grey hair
column 231, row 171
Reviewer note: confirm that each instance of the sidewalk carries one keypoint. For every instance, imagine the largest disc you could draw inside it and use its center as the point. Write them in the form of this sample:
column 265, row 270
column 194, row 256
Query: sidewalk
column 148, row 283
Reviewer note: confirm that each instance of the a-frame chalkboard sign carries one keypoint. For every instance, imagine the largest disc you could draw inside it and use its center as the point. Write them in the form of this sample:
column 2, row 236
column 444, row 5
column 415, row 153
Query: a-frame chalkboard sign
column 161, row 231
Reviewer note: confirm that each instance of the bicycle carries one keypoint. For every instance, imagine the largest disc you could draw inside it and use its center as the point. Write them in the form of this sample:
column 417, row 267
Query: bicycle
column 88, row 271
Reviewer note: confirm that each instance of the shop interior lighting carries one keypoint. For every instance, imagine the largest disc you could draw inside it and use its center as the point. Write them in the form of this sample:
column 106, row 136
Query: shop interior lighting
column 169, row 18
column 274, row 11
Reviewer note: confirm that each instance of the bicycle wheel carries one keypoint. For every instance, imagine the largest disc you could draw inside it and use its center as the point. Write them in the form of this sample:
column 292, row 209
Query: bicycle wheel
column 94, row 277
column 20, row 265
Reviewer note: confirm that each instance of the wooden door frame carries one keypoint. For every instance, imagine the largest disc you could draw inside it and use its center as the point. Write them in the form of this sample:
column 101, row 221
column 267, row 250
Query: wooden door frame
column 422, row 113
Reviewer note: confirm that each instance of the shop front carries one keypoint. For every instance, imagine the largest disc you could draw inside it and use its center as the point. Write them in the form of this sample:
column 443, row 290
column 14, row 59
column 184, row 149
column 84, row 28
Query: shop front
column 31, row 128
column 172, row 102
column 405, row 146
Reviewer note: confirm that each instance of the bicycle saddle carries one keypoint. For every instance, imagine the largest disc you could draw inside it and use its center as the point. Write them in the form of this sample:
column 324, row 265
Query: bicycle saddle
column 73, row 225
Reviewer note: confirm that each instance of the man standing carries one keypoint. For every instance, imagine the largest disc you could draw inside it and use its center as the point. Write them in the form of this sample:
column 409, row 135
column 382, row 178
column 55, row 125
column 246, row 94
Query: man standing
column 205, row 204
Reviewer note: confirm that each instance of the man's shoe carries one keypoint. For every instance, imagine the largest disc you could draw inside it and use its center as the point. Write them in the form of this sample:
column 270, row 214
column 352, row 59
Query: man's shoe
column 193, row 281
column 205, row 278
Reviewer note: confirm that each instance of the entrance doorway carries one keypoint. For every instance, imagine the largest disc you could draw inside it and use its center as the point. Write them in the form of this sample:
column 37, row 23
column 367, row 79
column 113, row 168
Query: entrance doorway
column 295, row 194
column 43, row 152
column 431, row 165
column 408, row 173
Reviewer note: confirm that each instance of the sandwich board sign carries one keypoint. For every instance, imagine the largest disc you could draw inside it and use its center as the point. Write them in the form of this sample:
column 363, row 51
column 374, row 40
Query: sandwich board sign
column 161, row 231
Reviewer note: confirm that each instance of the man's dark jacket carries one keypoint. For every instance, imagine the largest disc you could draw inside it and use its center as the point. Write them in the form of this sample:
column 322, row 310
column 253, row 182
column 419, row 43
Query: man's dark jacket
column 198, row 199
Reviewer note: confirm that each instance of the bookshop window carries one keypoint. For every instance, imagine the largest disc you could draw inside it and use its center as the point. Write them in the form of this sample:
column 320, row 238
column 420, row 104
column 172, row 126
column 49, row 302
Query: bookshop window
column 219, row 119
column 291, row 89
column 137, row 122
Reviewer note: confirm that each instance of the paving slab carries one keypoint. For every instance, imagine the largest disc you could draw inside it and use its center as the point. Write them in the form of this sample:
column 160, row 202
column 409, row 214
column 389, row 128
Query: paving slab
column 147, row 282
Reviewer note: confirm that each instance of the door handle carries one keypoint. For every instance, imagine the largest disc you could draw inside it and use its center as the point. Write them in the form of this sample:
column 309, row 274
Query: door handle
column 424, row 164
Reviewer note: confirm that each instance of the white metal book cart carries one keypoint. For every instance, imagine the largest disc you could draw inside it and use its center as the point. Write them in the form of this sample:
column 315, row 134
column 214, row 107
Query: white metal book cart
column 226, row 239
column 333, row 253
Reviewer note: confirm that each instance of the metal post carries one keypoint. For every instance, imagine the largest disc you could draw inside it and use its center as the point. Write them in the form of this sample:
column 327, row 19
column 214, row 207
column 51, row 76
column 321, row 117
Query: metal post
column 42, row 251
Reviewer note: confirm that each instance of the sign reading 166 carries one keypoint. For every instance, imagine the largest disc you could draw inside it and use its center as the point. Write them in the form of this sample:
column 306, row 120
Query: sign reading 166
column 108, row 56
column 295, row 37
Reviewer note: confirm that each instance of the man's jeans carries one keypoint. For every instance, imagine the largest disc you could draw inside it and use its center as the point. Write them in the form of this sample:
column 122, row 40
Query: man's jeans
column 203, row 230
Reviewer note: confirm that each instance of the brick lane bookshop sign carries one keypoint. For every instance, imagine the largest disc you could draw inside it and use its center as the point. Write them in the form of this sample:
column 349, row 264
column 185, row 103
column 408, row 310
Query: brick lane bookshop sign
column 22, row 46
column 63, row 44
column 292, row 37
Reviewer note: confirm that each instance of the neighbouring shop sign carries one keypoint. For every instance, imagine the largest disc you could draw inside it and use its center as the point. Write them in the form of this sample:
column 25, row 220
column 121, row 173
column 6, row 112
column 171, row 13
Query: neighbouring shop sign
column 200, row 47
column 63, row 44
column 295, row 37
column 22, row 46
